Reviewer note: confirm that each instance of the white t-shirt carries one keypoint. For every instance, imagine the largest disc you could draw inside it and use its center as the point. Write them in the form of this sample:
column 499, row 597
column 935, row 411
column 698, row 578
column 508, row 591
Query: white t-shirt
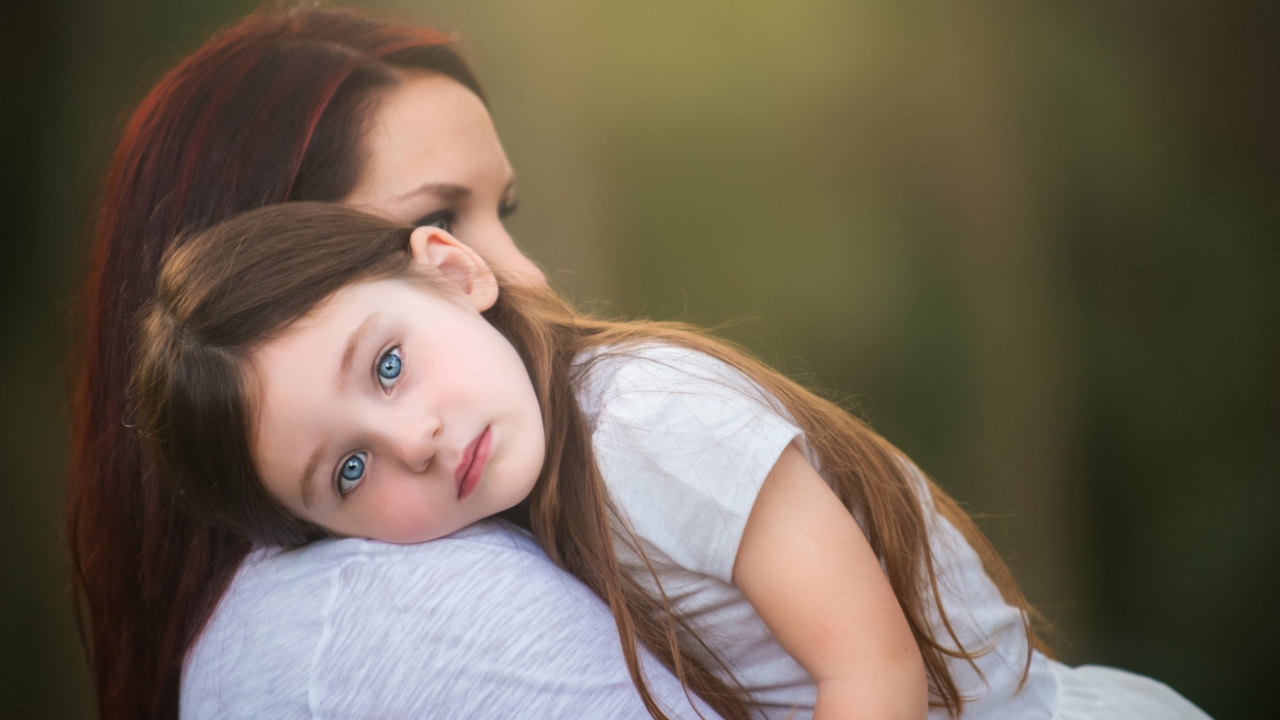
column 479, row 624
column 684, row 443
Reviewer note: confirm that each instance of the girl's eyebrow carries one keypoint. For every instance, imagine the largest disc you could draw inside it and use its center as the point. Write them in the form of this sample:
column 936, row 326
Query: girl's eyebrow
column 354, row 342
column 309, row 477
column 356, row 339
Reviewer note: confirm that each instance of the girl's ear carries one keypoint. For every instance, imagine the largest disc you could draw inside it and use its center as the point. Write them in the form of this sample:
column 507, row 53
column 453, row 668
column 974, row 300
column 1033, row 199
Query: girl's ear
column 434, row 248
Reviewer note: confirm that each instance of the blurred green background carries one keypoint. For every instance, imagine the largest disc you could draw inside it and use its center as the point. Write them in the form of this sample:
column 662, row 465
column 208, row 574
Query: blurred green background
column 1036, row 242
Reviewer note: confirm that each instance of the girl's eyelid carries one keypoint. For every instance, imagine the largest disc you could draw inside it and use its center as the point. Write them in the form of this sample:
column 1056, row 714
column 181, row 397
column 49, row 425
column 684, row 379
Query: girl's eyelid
column 389, row 384
column 337, row 475
column 386, row 387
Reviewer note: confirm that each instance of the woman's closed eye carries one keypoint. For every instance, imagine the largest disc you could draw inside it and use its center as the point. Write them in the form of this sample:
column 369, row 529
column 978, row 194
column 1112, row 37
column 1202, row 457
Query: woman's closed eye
column 350, row 473
column 388, row 369
column 508, row 208
column 443, row 219
column 447, row 218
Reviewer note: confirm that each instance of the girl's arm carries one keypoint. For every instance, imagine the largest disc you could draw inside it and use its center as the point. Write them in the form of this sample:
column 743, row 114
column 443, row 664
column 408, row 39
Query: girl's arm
column 811, row 575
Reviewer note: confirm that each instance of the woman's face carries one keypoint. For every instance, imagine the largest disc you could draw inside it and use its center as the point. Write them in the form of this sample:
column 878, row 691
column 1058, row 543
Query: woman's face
column 395, row 412
column 435, row 159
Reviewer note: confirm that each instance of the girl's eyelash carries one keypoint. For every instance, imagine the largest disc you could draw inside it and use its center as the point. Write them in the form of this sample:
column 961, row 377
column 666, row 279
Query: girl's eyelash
column 358, row 465
column 388, row 368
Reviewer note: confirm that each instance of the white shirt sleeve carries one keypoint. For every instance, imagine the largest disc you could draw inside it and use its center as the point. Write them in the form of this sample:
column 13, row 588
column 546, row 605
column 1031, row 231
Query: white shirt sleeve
column 684, row 443
column 476, row 625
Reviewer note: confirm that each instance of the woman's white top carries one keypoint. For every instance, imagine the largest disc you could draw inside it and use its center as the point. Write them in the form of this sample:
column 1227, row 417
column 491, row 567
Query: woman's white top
column 684, row 443
column 479, row 624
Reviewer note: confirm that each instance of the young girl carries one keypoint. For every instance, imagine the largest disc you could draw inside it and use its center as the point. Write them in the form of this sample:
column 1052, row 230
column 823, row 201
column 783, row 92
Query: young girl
column 307, row 371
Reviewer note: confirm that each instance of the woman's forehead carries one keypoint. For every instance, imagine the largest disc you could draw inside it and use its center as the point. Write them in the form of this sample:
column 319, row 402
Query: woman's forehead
column 431, row 130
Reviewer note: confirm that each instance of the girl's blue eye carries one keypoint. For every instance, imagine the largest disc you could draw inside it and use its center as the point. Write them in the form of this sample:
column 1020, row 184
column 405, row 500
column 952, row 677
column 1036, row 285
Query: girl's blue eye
column 389, row 367
column 351, row 473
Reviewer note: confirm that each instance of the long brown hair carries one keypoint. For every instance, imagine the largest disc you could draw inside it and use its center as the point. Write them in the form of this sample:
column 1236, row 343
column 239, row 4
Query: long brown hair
column 225, row 292
column 271, row 109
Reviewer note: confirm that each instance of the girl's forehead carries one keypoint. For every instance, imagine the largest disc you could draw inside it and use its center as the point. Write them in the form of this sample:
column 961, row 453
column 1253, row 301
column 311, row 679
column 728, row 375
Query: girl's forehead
column 308, row 338
column 335, row 318
column 296, row 379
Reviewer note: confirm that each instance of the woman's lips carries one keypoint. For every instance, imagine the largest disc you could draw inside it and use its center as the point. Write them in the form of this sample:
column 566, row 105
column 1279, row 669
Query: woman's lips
column 472, row 465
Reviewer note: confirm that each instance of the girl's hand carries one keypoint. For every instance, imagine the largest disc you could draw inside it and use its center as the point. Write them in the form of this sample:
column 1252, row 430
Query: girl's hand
column 811, row 575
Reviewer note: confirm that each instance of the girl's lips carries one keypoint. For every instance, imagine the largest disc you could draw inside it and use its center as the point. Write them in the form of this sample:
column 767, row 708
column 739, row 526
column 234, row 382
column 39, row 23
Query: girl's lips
column 472, row 465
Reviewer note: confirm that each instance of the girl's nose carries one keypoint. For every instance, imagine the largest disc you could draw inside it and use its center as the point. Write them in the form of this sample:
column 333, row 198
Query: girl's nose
column 415, row 440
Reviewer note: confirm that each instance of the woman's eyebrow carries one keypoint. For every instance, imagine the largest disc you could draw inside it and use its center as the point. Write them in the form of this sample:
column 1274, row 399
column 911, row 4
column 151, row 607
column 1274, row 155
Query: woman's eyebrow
column 449, row 192
column 354, row 342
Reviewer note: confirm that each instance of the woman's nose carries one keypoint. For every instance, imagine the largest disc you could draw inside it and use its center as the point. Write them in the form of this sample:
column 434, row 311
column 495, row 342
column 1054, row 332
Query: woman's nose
column 506, row 256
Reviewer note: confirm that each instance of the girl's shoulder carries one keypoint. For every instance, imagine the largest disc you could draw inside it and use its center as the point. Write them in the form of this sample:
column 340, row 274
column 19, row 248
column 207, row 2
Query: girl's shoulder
column 656, row 375
column 683, row 442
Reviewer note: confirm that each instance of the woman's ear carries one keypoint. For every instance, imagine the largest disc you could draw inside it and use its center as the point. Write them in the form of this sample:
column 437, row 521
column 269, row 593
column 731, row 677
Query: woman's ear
column 434, row 248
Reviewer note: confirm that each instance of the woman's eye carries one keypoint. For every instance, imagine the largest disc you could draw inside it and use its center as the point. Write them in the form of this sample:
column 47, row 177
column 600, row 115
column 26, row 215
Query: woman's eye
column 351, row 473
column 389, row 368
column 442, row 219
column 508, row 207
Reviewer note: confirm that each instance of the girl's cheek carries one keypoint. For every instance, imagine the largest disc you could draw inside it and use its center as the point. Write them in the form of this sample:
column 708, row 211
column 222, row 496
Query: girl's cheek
column 404, row 517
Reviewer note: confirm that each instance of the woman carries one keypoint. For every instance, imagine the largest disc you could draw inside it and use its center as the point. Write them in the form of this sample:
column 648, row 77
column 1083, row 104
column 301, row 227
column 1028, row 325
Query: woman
column 307, row 104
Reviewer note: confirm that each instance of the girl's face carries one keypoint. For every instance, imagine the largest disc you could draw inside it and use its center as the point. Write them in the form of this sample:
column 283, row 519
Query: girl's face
column 435, row 159
column 396, row 412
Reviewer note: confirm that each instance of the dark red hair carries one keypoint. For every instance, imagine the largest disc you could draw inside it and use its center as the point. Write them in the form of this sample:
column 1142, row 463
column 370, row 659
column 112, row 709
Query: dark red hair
column 272, row 109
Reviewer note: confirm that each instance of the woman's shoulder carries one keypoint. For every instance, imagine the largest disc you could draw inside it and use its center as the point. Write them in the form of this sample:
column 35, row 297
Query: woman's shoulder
column 292, row 620
column 277, row 572
column 282, row 605
column 355, row 628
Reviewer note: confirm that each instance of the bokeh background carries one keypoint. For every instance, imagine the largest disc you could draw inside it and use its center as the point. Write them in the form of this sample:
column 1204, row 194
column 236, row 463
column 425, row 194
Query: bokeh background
column 1036, row 243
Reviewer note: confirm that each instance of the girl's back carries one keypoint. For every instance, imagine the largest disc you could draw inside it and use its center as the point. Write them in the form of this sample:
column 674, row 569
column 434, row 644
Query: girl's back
column 684, row 443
